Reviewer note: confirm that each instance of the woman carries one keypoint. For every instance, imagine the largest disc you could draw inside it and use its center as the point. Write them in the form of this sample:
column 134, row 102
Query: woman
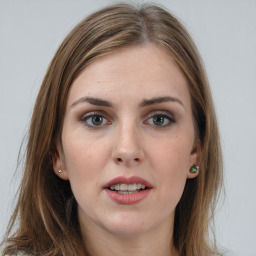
column 123, row 155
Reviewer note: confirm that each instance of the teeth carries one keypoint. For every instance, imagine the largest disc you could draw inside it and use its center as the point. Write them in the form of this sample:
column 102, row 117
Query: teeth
column 123, row 187
column 127, row 192
column 132, row 187
column 127, row 187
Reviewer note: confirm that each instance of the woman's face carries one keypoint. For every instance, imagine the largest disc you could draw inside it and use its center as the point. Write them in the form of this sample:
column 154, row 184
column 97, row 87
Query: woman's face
column 128, row 141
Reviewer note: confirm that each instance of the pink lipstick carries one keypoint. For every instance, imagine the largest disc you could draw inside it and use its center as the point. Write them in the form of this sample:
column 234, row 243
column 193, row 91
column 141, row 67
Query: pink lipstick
column 130, row 190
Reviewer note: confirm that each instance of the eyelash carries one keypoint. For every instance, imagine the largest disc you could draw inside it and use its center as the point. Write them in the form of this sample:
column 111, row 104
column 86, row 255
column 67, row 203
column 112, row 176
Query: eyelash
column 86, row 117
column 167, row 117
column 163, row 114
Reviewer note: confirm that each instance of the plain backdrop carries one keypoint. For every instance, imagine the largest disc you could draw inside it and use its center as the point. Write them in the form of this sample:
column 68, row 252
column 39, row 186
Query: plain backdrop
column 225, row 33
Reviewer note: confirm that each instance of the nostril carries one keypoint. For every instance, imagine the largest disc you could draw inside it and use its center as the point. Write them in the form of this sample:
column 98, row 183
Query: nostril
column 120, row 160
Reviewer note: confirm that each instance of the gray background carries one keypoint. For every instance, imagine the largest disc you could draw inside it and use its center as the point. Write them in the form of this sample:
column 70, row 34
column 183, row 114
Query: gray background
column 225, row 33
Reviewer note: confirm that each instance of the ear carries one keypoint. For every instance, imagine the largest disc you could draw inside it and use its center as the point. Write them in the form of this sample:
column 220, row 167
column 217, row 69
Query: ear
column 59, row 165
column 195, row 158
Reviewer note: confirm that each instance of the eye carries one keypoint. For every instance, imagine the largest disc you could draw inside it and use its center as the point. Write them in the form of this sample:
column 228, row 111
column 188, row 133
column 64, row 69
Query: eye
column 94, row 120
column 160, row 119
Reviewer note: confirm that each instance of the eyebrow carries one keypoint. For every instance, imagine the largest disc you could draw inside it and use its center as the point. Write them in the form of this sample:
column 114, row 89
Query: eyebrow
column 144, row 103
column 159, row 100
column 93, row 101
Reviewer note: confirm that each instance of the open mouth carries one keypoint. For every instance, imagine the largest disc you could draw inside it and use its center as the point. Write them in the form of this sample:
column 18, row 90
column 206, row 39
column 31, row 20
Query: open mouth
column 127, row 189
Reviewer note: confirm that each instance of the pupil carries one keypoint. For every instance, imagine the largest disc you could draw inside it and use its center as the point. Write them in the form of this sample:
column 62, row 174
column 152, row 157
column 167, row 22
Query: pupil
column 158, row 120
column 97, row 120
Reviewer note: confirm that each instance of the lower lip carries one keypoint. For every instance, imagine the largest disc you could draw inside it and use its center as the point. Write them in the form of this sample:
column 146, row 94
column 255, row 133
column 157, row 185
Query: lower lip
column 128, row 199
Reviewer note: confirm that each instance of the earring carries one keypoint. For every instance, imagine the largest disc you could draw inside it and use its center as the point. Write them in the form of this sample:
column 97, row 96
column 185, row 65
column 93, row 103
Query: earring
column 194, row 169
column 59, row 171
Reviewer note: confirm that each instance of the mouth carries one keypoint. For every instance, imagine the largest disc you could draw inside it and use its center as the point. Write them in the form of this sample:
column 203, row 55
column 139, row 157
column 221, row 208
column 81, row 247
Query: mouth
column 127, row 189
column 131, row 190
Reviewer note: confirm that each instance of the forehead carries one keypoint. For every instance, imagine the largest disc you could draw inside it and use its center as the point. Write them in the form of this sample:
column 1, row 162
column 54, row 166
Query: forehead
column 137, row 71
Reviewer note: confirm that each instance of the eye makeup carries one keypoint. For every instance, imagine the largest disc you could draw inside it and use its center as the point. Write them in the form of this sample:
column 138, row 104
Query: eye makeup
column 95, row 119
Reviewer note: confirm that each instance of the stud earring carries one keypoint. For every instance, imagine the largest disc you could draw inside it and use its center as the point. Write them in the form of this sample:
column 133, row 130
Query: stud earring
column 194, row 169
column 59, row 171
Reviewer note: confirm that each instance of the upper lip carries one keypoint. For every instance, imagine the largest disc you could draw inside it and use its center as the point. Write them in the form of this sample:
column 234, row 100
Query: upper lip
column 125, row 180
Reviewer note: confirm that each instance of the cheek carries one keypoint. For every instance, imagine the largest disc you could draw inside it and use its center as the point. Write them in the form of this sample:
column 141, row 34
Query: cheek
column 84, row 160
column 171, row 161
column 172, row 155
column 84, row 164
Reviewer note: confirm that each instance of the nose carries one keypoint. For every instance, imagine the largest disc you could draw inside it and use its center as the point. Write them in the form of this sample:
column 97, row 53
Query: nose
column 128, row 150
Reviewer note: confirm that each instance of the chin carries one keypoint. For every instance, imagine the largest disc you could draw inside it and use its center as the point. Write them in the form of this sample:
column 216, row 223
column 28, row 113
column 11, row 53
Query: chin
column 129, row 230
column 129, row 224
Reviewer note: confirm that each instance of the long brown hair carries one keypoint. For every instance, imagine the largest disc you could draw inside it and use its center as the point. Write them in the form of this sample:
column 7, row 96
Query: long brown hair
column 45, row 219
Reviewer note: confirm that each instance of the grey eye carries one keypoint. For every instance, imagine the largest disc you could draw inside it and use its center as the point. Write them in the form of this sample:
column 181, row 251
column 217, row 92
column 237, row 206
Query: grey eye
column 161, row 120
column 97, row 120
column 94, row 120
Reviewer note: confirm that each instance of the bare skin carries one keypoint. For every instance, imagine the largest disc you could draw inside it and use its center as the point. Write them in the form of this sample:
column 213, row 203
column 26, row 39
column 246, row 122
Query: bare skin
column 128, row 114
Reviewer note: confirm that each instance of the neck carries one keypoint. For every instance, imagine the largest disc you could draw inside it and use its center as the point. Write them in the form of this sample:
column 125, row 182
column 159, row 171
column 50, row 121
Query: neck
column 100, row 242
